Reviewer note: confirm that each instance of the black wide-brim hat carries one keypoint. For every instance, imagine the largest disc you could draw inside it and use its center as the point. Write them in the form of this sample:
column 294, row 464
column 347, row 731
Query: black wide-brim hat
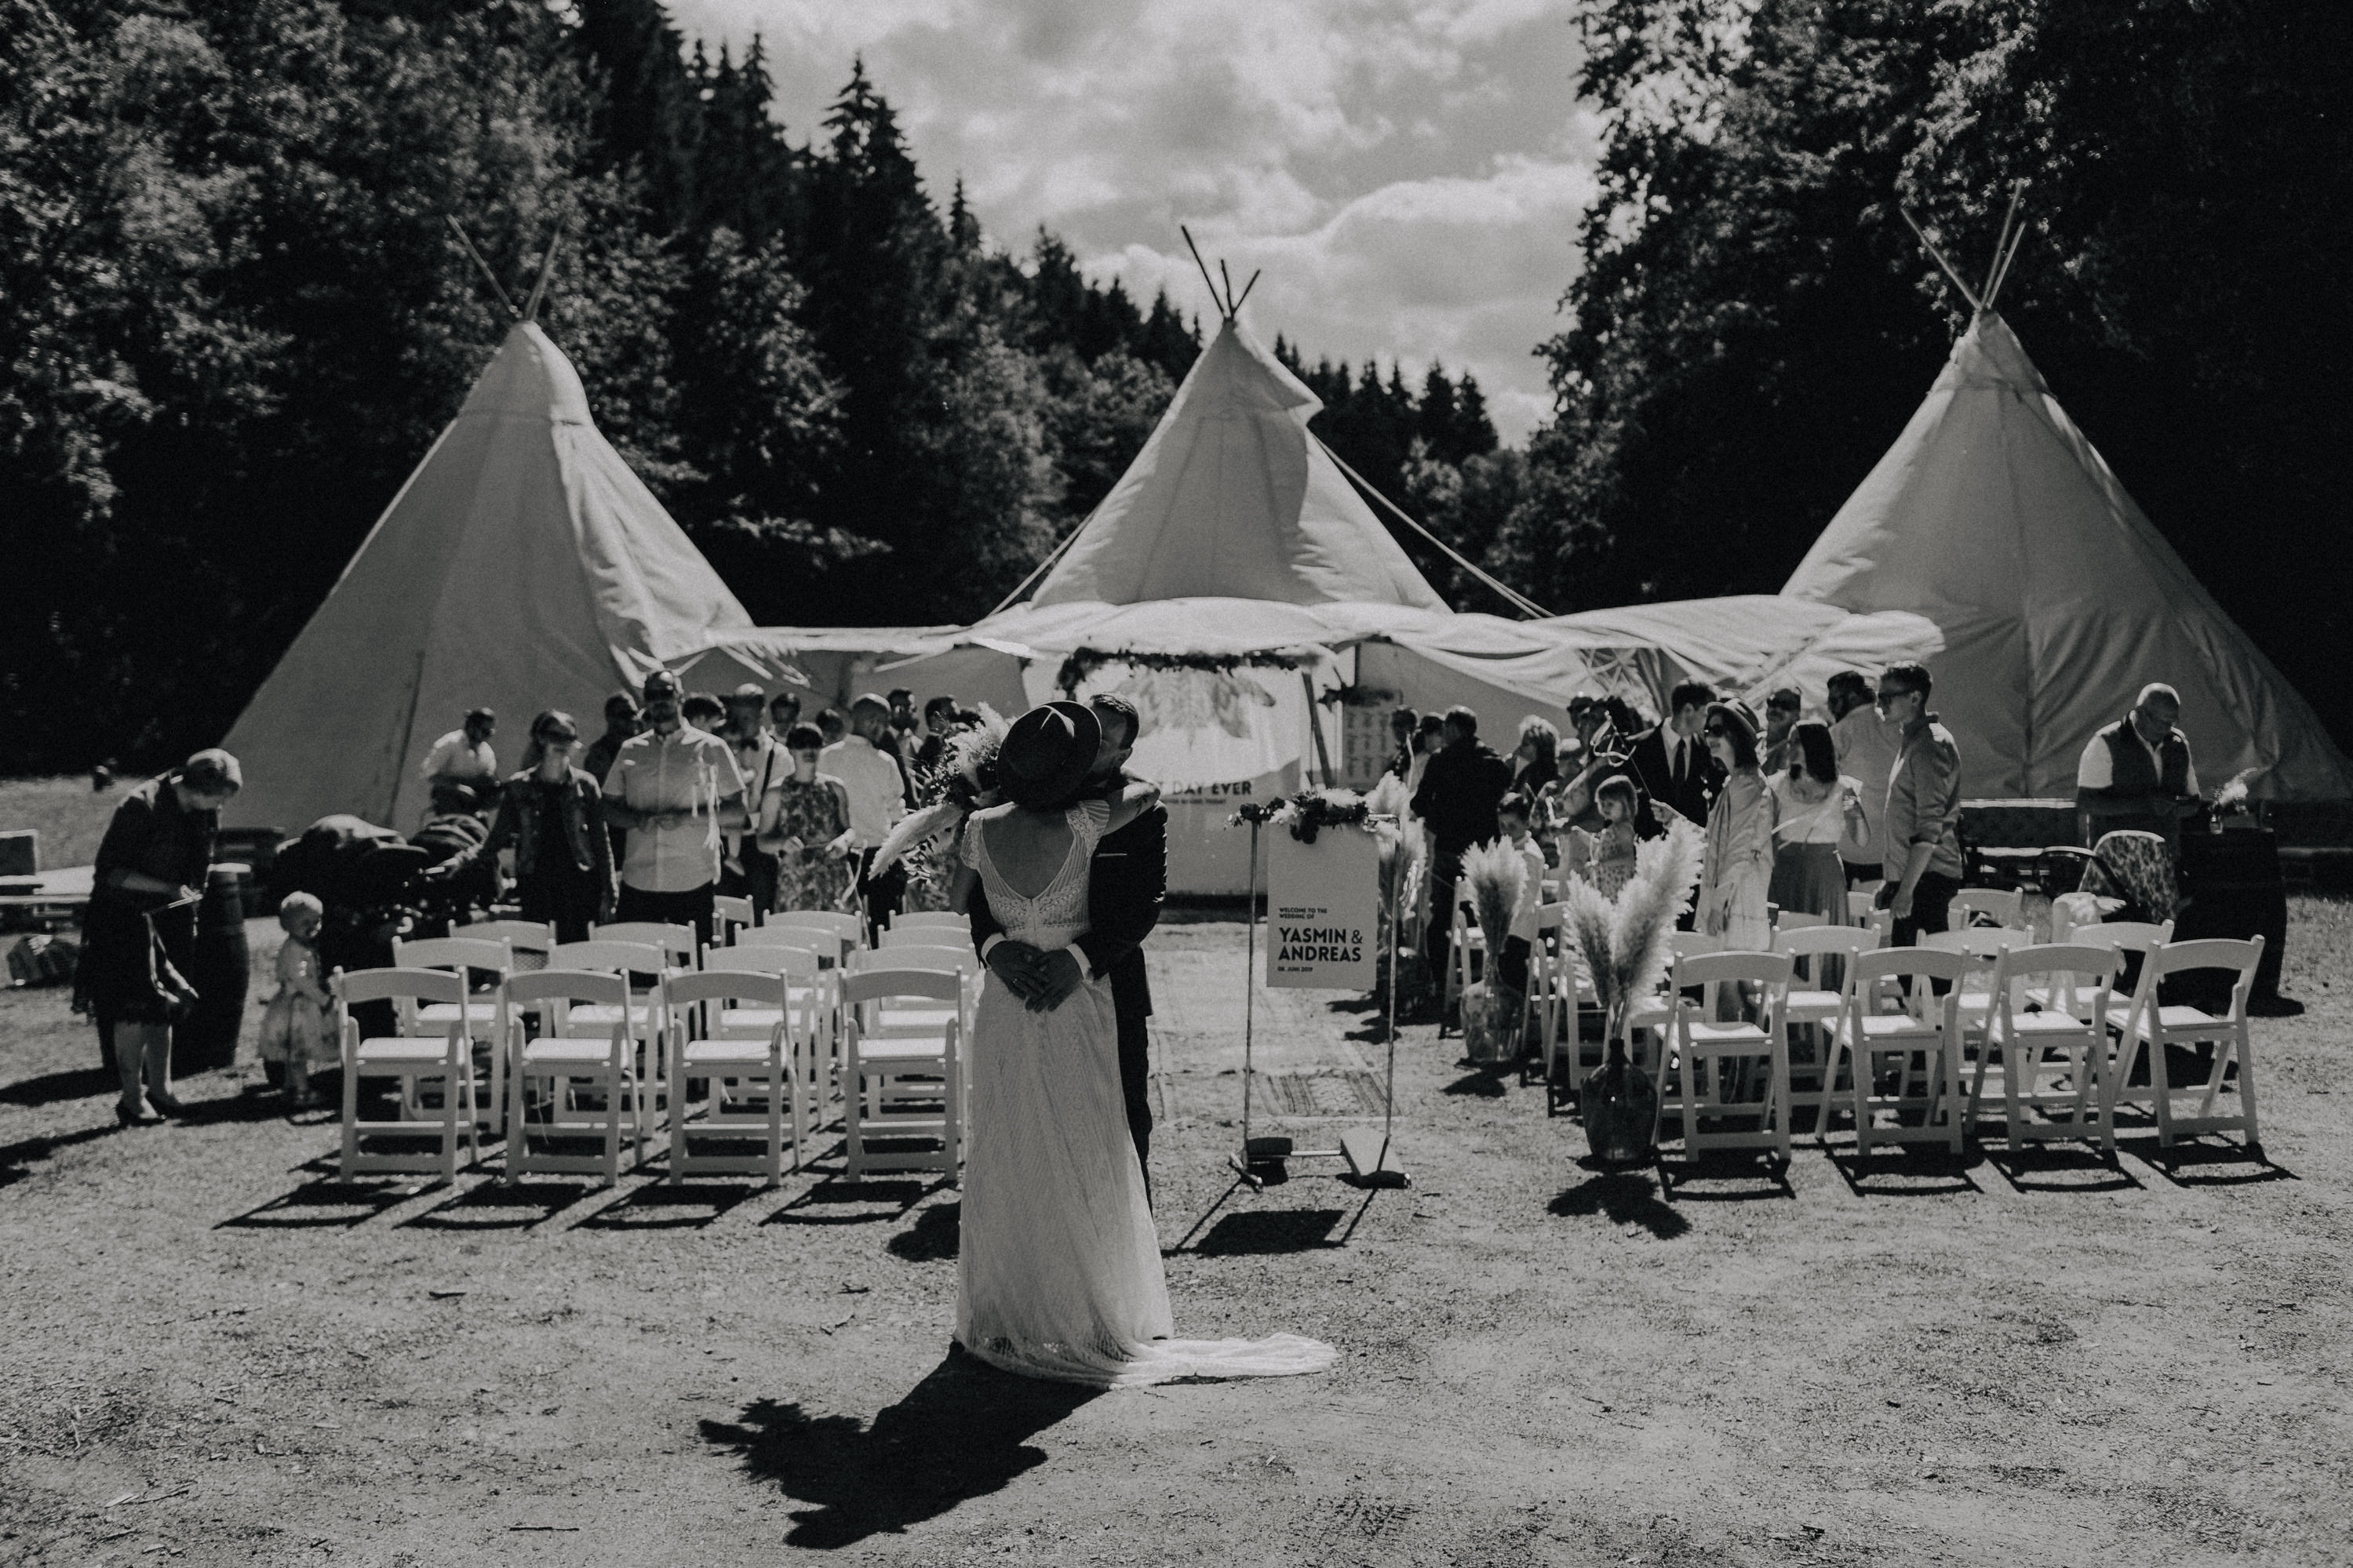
column 1048, row 754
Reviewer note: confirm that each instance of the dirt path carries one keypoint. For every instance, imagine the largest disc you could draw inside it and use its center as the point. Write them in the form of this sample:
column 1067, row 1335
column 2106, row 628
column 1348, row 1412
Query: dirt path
column 213, row 1349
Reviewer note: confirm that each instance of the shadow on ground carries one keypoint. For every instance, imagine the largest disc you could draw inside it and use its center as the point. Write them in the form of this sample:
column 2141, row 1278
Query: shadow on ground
column 1270, row 1231
column 1625, row 1197
column 932, row 1238
column 962, row 1433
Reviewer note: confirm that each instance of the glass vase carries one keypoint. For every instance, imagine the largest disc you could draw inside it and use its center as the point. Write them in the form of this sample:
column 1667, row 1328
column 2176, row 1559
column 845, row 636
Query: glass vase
column 1619, row 1104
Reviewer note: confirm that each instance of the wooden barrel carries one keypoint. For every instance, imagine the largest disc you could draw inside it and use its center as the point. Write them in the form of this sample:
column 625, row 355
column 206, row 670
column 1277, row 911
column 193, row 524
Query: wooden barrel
column 2233, row 882
column 220, row 970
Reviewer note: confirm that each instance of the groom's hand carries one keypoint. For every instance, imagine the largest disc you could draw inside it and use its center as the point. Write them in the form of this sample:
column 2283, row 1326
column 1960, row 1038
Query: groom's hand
column 1016, row 963
column 1059, row 974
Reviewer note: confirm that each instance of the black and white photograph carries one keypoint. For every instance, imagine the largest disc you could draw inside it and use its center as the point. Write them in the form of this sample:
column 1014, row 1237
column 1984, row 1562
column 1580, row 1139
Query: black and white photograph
column 1452, row 784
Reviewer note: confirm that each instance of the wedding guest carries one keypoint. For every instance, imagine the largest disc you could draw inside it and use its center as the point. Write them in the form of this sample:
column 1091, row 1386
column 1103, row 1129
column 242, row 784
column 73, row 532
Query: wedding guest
column 833, row 725
column 1606, row 856
column 747, row 870
column 140, row 927
column 672, row 787
column 2136, row 774
column 806, row 824
column 1512, row 817
column 1924, row 810
column 553, row 815
column 1673, row 768
column 783, row 712
column 1782, row 710
column 621, row 722
column 1737, row 869
column 464, row 757
column 1429, row 740
column 869, row 771
column 1866, row 746
column 298, row 1024
column 704, row 713
column 1815, row 808
column 1535, row 761
column 1460, row 790
column 939, row 728
column 1403, row 723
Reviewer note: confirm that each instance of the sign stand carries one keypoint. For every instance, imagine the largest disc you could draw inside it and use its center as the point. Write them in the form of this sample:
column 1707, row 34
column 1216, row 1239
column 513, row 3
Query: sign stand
column 1261, row 1160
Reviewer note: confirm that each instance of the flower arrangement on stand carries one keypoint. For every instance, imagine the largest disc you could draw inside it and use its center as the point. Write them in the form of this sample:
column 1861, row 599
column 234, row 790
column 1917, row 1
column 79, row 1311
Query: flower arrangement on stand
column 1625, row 946
column 1308, row 812
column 1492, row 1011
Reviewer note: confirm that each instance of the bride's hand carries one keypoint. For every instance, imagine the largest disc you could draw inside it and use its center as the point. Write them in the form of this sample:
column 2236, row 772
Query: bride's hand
column 1059, row 974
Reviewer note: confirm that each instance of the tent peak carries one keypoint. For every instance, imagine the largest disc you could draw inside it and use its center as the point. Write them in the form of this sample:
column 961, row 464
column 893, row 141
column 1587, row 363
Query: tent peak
column 1228, row 305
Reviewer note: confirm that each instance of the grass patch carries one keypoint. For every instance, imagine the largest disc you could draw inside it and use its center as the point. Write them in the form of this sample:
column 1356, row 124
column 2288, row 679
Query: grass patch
column 68, row 815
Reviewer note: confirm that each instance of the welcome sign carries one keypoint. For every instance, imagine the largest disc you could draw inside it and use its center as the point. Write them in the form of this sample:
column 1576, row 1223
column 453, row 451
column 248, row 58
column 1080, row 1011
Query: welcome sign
column 1323, row 910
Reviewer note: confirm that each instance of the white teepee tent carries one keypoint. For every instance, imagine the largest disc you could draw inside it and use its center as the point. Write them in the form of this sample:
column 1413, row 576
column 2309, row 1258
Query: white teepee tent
column 1232, row 498
column 1994, row 517
column 522, row 566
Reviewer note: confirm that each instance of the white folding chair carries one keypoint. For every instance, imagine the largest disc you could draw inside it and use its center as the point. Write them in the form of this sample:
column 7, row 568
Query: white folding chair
column 1653, row 1017
column 1466, row 941
column 1861, row 902
column 2000, row 907
column 484, row 1015
column 744, row 1062
column 1727, row 1048
column 444, row 1058
column 643, row 1014
column 1816, row 1001
column 847, row 930
column 1982, row 947
column 810, row 998
column 1558, row 988
column 528, row 940
column 1927, row 1105
column 2054, row 1065
column 2152, row 1027
column 571, row 1060
column 675, row 940
column 927, row 920
column 959, row 933
column 729, row 913
column 2129, row 937
column 903, row 1078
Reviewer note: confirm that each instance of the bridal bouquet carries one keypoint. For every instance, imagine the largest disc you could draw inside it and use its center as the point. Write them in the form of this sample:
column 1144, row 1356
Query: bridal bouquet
column 965, row 782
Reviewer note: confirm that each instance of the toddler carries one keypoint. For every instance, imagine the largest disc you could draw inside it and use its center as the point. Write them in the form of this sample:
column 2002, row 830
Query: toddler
column 1605, row 858
column 296, row 1027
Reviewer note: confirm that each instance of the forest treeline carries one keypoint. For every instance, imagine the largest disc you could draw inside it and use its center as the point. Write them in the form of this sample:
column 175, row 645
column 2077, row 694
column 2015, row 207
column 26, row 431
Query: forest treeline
column 232, row 316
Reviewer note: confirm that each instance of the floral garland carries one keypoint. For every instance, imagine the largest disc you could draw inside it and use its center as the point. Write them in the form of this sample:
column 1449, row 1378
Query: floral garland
column 1084, row 662
column 1358, row 696
column 1308, row 812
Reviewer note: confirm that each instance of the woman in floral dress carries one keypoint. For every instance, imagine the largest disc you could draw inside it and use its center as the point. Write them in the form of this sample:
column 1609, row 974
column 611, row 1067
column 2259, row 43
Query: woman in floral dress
column 806, row 827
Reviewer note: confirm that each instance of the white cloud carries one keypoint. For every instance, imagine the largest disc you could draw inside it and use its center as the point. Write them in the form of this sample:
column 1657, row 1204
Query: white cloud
column 1409, row 173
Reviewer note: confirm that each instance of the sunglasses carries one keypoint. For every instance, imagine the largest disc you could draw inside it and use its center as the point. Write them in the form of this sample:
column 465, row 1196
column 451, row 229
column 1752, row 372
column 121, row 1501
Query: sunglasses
column 1715, row 731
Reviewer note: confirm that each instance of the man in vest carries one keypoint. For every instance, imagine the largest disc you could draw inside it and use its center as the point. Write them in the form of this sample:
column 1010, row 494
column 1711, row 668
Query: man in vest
column 2137, row 774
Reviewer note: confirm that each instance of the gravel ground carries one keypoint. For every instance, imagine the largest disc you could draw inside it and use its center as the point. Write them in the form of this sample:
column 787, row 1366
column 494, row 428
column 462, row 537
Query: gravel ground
column 217, row 1352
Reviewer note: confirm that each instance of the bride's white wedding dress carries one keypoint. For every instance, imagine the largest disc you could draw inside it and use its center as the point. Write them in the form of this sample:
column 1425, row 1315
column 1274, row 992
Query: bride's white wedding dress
column 1059, row 1270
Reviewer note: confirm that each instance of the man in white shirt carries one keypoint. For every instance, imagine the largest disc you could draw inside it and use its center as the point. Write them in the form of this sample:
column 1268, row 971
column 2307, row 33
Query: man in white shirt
column 675, row 788
column 463, row 757
column 1866, row 746
column 2136, row 772
column 866, row 764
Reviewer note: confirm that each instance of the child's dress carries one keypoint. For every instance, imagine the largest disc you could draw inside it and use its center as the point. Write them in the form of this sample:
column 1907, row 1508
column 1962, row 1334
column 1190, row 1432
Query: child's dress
column 294, row 1026
column 1605, row 858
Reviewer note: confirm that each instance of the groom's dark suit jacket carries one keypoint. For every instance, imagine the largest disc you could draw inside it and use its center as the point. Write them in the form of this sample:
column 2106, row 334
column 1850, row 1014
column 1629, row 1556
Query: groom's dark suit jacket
column 1125, row 885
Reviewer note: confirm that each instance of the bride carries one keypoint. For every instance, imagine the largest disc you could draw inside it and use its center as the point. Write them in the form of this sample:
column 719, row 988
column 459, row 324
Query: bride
column 1060, row 1272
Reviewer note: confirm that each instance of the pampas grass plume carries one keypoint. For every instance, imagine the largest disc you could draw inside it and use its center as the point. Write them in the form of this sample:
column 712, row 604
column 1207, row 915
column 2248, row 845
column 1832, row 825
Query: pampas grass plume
column 1625, row 942
column 1494, row 872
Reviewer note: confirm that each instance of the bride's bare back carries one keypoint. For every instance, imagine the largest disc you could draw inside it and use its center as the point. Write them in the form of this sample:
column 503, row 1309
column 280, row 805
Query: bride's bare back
column 1029, row 847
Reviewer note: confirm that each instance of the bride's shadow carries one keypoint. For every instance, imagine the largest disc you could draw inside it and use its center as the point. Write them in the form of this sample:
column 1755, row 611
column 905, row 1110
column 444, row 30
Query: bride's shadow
column 961, row 1433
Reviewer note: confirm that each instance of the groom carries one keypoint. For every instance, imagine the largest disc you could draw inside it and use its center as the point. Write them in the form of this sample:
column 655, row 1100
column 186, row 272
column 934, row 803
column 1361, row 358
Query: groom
column 1126, row 884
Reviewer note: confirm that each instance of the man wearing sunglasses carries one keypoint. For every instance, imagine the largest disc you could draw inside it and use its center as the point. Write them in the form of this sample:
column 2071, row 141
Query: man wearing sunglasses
column 1924, row 810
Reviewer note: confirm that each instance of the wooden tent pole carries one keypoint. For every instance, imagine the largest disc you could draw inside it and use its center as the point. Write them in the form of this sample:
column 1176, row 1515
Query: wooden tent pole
column 1230, row 287
column 1950, row 270
column 1246, row 289
column 487, row 273
column 1209, row 282
column 2003, row 276
column 1993, row 267
column 546, row 270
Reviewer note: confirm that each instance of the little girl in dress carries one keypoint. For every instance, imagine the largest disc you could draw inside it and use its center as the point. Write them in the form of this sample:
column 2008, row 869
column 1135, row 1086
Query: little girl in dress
column 296, row 1027
column 1607, row 858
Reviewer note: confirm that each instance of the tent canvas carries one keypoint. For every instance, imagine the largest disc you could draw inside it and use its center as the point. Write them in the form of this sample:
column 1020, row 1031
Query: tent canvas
column 2057, row 599
column 521, row 566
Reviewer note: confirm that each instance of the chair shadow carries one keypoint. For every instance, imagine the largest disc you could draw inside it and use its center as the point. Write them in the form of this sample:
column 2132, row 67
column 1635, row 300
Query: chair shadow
column 932, row 1238
column 1625, row 1197
column 1721, row 1165
column 2248, row 1168
column 1914, row 1165
column 330, row 1203
column 2017, row 1165
column 888, row 1198
column 962, row 1433
column 496, row 1206
column 1485, row 1083
column 1265, row 1232
column 688, row 1205
column 76, row 1083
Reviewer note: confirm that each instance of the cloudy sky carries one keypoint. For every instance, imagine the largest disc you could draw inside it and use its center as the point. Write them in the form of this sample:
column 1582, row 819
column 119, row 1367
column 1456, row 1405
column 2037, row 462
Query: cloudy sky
column 1409, row 173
